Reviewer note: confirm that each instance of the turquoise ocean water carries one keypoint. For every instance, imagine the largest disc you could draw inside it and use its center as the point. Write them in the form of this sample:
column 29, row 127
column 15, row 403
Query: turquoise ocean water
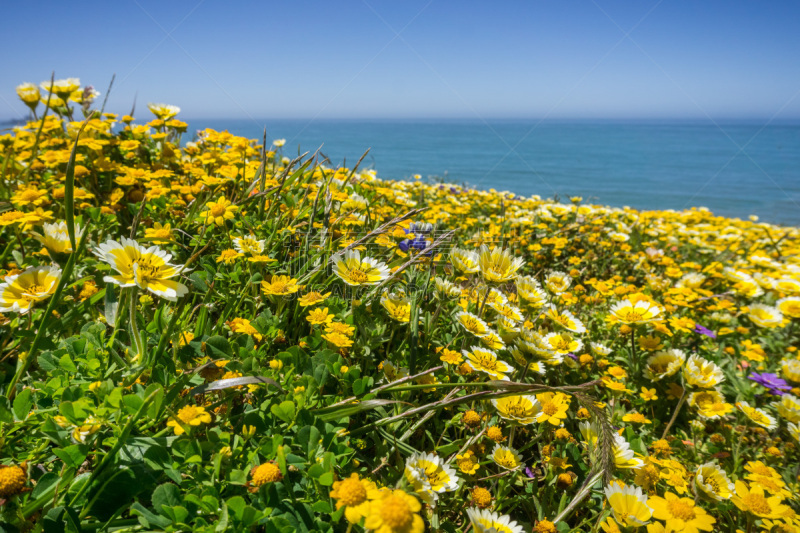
column 734, row 168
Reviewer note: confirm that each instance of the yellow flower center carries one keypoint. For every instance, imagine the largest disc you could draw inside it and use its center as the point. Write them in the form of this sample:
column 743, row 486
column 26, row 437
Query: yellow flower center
column 516, row 409
column 486, row 361
column 35, row 289
column 358, row 276
column 278, row 286
column 266, row 473
column 147, row 269
column 216, row 210
column 560, row 343
column 189, row 413
column 712, row 484
column 352, row 492
column 549, row 408
column 757, row 503
column 465, row 464
column 29, row 195
column 631, row 316
column 482, row 497
column 12, row 481
column 396, row 513
column 506, row 459
column 681, row 509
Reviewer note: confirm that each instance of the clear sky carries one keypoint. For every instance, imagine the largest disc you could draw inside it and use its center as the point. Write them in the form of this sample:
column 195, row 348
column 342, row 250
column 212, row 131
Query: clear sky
column 415, row 58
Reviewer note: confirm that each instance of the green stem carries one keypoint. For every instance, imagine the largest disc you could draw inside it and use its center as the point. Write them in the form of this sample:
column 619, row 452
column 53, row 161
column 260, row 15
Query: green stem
column 675, row 413
column 137, row 338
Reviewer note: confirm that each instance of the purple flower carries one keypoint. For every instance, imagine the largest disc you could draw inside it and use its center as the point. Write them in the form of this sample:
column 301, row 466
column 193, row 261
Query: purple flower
column 529, row 472
column 573, row 356
column 771, row 382
column 702, row 330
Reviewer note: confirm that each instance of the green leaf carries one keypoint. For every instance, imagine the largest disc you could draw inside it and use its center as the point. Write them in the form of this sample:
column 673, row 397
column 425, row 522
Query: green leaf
column 218, row 346
column 6, row 414
column 326, row 479
column 66, row 363
column 308, row 437
column 285, row 411
column 116, row 489
column 166, row 494
column 147, row 518
column 22, row 404
column 321, row 507
column 72, row 455
column 47, row 481
column 111, row 305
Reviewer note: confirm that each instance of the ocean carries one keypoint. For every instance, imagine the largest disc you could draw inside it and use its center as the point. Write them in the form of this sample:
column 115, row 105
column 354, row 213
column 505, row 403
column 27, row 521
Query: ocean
column 735, row 169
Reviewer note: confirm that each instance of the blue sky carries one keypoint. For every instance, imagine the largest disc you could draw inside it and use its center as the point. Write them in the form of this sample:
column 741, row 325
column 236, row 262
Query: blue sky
column 432, row 58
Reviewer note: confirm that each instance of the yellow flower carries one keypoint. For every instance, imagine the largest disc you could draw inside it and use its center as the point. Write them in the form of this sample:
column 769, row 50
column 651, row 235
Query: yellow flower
column 451, row 357
column 554, row 408
column 481, row 497
column 752, row 500
column 486, row 361
column 557, row 282
column 160, row 234
column 29, row 196
column 648, row 395
column 562, row 343
column 319, row 316
column 354, row 495
column 430, row 476
column 565, row 319
column 265, row 473
column 280, row 286
column 228, row 256
column 631, row 313
column 486, row 521
column 464, row 261
column 394, row 511
column 473, row 324
column 650, row 343
column 12, row 481
column 680, row 514
column 712, row 481
column 757, row 416
column 248, row 245
column 338, row 340
column 636, row 418
column 498, row 265
column 339, row 327
column 765, row 316
column 56, row 237
column 242, row 325
column 506, row 457
column 218, row 212
column 790, row 306
column 63, row 88
column 29, row 93
column 312, row 298
column 354, row 270
column 468, row 463
column 190, row 415
column 163, row 111
column 699, row 372
column 146, row 268
column 628, row 504
column 14, row 217
column 397, row 306
column 522, row 408
column 19, row 292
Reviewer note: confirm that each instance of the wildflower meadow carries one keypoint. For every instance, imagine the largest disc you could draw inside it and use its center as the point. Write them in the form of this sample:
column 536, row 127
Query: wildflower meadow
column 203, row 332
